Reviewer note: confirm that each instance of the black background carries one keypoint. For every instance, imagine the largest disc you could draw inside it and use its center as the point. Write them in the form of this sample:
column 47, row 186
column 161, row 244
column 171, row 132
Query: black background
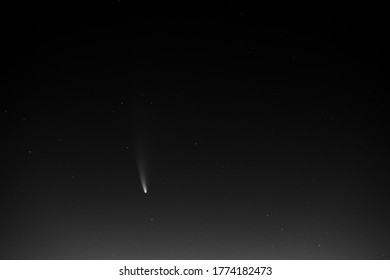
column 261, row 130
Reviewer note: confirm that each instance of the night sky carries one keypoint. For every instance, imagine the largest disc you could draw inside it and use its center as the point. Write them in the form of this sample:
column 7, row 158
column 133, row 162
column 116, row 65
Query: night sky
column 260, row 131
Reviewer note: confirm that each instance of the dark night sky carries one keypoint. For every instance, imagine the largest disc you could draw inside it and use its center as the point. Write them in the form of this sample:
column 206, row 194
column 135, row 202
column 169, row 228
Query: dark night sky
column 260, row 130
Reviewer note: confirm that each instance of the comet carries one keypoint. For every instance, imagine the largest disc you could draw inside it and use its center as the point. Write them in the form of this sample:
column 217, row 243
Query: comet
column 145, row 189
column 143, row 181
column 142, row 172
column 142, row 139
